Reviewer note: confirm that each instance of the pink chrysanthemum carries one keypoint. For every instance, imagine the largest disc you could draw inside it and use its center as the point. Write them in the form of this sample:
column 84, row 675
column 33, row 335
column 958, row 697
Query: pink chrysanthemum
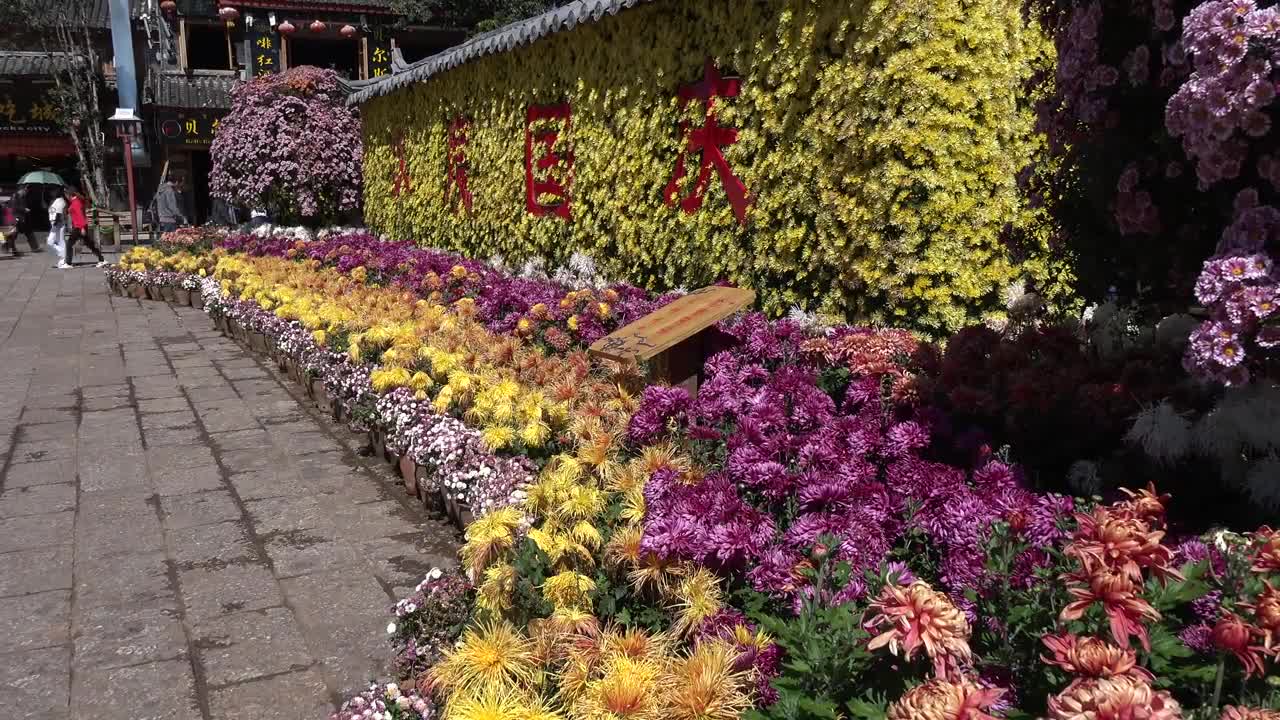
column 1116, row 698
column 916, row 617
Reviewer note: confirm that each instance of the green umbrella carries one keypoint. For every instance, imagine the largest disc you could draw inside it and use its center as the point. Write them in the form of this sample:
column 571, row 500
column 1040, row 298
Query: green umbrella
column 41, row 177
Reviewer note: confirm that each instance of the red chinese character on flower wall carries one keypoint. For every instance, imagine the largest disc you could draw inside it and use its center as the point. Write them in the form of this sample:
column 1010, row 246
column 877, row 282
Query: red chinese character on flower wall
column 549, row 174
column 403, row 183
column 455, row 187
column 708, row 140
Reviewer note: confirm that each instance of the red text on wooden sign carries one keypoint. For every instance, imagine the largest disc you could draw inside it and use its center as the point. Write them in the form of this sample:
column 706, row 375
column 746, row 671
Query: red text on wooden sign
column 708, row 141
column 548, row 172
column 455, row 188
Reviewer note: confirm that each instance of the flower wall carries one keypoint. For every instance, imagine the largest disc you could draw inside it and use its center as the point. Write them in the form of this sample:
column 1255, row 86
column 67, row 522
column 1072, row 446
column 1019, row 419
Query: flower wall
column 834, row 156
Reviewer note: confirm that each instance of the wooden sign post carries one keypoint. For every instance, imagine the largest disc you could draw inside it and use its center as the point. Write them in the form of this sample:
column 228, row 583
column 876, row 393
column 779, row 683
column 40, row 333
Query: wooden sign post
column 674, row 339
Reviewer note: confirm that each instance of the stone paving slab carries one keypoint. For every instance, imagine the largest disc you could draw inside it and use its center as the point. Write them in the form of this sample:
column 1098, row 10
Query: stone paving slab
column 181, row 534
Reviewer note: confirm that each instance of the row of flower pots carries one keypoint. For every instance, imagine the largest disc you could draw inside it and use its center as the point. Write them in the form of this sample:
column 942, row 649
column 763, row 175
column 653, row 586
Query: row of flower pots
column 413, row 476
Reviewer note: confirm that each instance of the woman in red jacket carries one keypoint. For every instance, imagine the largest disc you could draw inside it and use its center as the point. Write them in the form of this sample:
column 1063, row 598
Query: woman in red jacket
column 80, row 228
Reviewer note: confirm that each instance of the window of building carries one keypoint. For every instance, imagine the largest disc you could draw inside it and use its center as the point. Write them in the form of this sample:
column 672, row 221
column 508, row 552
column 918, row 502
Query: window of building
column 206, row 47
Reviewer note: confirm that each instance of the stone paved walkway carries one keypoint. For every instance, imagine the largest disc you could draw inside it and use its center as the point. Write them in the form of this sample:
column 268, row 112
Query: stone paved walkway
column 179, row 536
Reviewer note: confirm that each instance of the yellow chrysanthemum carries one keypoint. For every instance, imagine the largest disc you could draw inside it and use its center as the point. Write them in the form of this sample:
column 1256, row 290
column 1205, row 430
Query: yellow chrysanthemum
column 497, row 437
column 705, row 685
column 568, row 589
column 697, row 598
column 489, row 656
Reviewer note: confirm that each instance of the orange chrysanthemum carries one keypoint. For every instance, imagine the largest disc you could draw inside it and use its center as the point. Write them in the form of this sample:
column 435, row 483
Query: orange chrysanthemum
column 918, row 617
column 1092, row 657
column 1123, row 697
column 1146, row 505
column 945, row 700
column 1231, row 712
column 1266, row 613
column 1266, row 554
column 1121, row 542
column 1126, row 610
column 1232, row 634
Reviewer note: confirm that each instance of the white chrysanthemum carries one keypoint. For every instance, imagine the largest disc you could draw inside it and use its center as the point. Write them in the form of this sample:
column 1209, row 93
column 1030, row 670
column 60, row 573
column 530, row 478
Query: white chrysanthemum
column 1013, row 292
column 534, row 269
column 1163, row 434
column 1172, row 332
column 499, row 263
column 811, row 322
column 1263, row 482
column 1083, row 477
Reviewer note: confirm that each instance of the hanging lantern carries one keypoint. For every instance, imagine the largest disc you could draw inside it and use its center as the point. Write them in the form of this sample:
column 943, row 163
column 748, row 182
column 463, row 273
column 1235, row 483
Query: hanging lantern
column 228, row 13
column 286, row 28
column 348, row 31
column 168, row 6
column 317, row 27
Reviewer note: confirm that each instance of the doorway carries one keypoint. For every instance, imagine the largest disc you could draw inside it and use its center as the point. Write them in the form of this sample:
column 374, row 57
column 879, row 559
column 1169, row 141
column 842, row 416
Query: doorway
column 200, row 167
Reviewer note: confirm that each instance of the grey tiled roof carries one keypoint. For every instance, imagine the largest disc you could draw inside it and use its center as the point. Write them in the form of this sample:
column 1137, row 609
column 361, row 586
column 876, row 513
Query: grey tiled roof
column 15, row 63
column 199, row 90
column 500, row 40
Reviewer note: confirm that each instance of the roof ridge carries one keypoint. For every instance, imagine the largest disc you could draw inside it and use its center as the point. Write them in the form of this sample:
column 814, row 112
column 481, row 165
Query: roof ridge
column 503, row 39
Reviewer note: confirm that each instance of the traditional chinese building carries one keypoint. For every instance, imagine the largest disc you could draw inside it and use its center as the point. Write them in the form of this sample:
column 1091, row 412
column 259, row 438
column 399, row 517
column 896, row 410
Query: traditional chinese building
column 30, row 136
column 205, row 46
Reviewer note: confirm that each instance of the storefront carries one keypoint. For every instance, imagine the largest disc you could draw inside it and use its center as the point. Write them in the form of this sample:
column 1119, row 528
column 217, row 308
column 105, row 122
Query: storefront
column 184, row 119
column 30, row 138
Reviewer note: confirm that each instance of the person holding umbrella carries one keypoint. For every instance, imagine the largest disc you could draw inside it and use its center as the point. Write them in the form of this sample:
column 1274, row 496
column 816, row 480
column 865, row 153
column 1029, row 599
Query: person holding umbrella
column 17, row 216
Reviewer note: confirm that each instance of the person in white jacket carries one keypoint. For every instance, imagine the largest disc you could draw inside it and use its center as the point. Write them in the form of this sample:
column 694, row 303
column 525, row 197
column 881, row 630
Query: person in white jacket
column 58, row 228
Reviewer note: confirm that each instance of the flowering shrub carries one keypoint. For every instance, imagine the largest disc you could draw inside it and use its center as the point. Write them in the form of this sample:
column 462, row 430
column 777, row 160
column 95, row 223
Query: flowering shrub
column 864, row 132
column 290, row 145
column 192, row 239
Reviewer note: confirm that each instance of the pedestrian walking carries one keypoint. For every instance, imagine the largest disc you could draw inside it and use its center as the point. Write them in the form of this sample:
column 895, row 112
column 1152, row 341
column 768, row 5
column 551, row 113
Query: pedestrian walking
column 80, row 229
column 58, row 228
column 21, row 218
column 168, row 206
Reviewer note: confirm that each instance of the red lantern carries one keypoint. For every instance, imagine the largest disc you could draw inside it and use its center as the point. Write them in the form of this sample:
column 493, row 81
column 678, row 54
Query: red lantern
column 228, row 13
column 168, row 6
column 348, row 31
column 317, row 27
column 286, row 28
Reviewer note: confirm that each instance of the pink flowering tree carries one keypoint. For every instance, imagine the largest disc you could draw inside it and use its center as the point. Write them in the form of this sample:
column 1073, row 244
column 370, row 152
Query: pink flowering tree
column 290, row 145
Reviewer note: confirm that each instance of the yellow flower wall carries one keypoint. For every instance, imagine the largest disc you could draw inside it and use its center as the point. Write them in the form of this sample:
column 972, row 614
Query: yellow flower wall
column 880, row 142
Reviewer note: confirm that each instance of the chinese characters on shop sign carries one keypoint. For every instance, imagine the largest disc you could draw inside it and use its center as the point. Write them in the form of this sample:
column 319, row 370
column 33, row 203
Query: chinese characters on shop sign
column 189, row 127
column 266, row 52
column 28, row 110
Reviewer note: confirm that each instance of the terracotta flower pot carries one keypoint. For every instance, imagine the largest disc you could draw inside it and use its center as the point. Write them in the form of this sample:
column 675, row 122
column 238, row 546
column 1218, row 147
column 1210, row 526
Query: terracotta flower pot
column 153, row 293
column 137, row 291
column 182, row 296
column 197, row 300
column 168, row 294
column 422, row 476
column 409, row 472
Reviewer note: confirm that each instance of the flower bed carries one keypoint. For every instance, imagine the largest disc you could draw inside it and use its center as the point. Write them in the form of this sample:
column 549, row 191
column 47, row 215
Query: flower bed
column 811, row 535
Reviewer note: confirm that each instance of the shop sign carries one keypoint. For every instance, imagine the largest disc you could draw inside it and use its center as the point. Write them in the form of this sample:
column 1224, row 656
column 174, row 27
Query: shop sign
column 264, row 51
column 379, row 57
column 190, row 127
column 28, row 109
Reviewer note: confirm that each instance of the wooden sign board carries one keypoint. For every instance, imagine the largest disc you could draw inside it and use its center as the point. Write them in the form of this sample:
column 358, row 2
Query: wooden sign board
column 672, row 337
